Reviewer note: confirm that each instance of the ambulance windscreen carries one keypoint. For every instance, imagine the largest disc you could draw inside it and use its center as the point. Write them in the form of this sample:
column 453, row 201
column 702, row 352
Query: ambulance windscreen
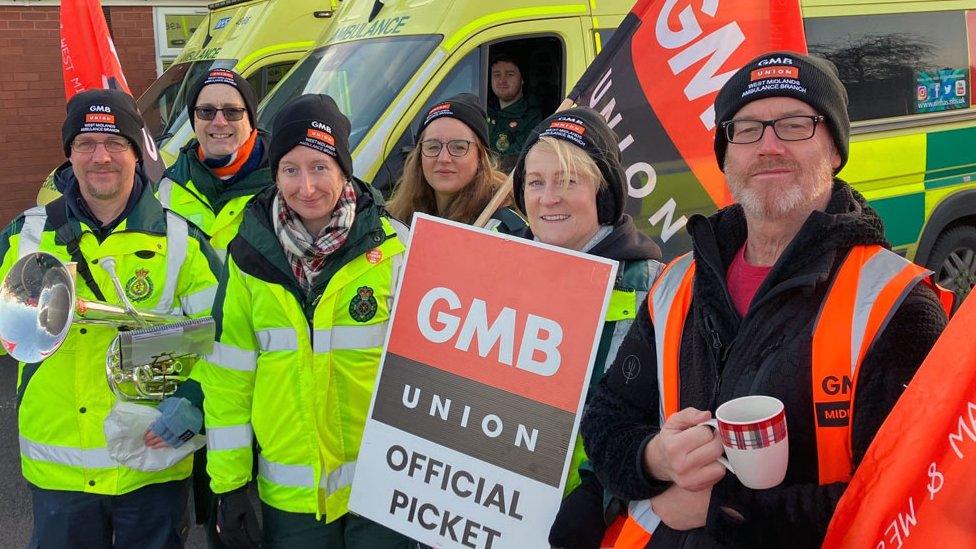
column 363, row 76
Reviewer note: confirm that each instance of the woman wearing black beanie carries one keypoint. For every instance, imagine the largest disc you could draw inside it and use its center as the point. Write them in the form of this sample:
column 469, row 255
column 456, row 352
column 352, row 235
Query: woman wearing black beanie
column 301, row 313
column 569, row 181
column 451, row 172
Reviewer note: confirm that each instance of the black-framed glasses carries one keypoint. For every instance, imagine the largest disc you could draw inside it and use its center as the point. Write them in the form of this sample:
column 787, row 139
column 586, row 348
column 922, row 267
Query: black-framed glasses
column 788, row 128
column 455, row 147
column 88, row 146
column 232, row 114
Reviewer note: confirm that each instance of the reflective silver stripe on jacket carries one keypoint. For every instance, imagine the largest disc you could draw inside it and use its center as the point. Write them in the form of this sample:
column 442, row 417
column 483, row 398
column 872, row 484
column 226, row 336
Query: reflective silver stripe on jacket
column 277, row 339
column 200, row 301
column 233, row 358
column 662, row 300
column 91, row 458
column 875, row 274
column 230, row 438
column 643, row 515
column 303, row 476
column 30, row 233
column 402, row 231
column 165, row 194
column 350, row 337
column 403, row 235
column 341, row 477
column 493, row 224
column 177, row 235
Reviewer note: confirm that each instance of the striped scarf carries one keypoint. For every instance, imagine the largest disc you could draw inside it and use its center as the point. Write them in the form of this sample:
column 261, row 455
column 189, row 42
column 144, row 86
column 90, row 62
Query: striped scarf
column 307, row 254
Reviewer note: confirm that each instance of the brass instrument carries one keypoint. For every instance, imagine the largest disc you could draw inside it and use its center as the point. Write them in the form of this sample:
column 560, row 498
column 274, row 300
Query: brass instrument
column 149, row 357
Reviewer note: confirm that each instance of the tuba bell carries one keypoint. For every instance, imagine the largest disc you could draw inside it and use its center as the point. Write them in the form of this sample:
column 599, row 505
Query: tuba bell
column 146, row 361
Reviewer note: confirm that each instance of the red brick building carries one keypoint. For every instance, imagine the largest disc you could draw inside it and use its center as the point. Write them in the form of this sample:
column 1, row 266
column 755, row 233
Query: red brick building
column 32, row 89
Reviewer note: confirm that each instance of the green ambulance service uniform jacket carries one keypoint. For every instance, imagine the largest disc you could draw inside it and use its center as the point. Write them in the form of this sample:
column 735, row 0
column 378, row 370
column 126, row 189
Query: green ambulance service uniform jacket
column 165, row 265
column 296, row 370
column 190, row 189
column 508, row 128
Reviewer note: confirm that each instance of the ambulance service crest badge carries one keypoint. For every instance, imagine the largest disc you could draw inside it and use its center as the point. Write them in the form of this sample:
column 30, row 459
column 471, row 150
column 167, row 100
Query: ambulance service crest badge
column 140, row 286
column 363, row 305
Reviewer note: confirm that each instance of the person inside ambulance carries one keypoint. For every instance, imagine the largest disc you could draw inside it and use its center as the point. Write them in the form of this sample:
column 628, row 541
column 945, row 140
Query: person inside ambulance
column 85, row 492
column 511, row 114
column 451, row 173
column 571, row 185
column 775, row 283
column 216, row 173
column 302, row 311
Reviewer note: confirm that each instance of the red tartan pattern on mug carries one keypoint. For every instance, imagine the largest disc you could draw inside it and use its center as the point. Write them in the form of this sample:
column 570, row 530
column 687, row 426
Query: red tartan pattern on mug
column 754, row 435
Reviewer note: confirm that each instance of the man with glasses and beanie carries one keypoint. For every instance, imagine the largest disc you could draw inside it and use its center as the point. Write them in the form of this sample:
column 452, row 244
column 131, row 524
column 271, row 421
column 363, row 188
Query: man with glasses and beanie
column 118, row 235
column 791, row 292
column 218, row 172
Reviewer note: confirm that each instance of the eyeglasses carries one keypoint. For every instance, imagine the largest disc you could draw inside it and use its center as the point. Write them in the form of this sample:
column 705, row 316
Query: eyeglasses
column 788, row 128
column 111, row 145
column 232, row 114
column 431, row 148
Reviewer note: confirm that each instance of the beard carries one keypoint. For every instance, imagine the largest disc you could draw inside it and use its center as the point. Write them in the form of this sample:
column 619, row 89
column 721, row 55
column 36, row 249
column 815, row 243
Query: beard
column 766, row 202
column 104, row 190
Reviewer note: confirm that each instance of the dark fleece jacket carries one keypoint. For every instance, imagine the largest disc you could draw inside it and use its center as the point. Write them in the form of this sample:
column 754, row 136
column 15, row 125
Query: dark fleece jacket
column 725, row 356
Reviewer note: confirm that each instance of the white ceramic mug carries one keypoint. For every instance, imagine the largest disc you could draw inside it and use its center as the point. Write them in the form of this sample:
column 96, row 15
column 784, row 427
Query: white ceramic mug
column 753, row 431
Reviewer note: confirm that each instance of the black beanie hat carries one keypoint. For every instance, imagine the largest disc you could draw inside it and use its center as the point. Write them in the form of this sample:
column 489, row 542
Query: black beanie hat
column 585, row 128
column 312, row 120
column 223, row 76
column 465, row 107
column 813, row 80
column 103, row 111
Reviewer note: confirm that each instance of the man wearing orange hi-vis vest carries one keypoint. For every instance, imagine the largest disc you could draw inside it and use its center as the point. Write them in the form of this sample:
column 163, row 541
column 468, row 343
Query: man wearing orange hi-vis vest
column 792, row 293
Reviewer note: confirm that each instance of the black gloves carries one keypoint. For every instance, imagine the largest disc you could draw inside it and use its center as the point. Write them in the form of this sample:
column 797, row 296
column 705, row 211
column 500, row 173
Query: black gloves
column 237, row 524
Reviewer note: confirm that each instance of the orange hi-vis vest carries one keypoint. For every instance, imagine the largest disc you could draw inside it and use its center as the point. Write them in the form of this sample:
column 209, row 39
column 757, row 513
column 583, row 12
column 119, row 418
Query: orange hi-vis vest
column 869, row 287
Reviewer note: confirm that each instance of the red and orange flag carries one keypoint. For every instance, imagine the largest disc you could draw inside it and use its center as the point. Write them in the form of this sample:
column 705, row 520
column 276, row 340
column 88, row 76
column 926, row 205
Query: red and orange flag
column 88, row 56
column 916, row 486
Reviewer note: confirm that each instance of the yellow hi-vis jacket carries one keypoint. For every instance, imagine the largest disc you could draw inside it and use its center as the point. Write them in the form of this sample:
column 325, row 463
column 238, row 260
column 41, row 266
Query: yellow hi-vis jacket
column 190, row 189
column 165, row 266
column 296, row 370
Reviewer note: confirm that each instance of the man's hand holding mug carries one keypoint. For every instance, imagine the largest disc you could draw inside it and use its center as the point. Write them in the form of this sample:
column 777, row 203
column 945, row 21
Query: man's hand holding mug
column 685, row 453
column 750, row 430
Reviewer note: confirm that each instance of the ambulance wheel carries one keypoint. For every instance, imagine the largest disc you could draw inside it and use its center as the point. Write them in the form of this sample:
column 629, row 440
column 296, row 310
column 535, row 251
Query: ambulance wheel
column 953, row 259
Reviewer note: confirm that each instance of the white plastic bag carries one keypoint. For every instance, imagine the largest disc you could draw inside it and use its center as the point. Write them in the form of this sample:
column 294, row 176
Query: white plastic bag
column 124, row 430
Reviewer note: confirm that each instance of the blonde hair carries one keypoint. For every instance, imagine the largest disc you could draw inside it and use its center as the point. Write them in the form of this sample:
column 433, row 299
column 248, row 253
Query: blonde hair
column 573, row 160
column 413, row 193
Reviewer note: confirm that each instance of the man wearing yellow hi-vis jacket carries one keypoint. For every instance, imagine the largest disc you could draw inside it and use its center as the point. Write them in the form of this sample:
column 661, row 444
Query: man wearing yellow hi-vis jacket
column 218, row 172
column 302, row 312
column 82, row 496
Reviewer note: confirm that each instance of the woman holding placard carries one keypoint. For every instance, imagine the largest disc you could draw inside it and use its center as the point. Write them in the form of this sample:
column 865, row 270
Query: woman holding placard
column 571, row 185
column 302, row 312
column 451, row 173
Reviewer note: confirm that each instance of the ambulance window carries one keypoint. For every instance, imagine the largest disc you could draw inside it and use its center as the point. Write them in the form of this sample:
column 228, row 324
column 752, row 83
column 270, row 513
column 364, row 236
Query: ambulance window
column 541, row 63
column 162, row 105
column 265, row 79
column 464, row 77
column 159, row 101
column 897, row 64
column 363, row 76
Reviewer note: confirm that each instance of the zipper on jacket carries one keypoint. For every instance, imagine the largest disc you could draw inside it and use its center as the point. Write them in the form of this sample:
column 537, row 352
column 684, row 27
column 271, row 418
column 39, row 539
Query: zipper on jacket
column 716, row 339
column 721, row 353
column 310, row 320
